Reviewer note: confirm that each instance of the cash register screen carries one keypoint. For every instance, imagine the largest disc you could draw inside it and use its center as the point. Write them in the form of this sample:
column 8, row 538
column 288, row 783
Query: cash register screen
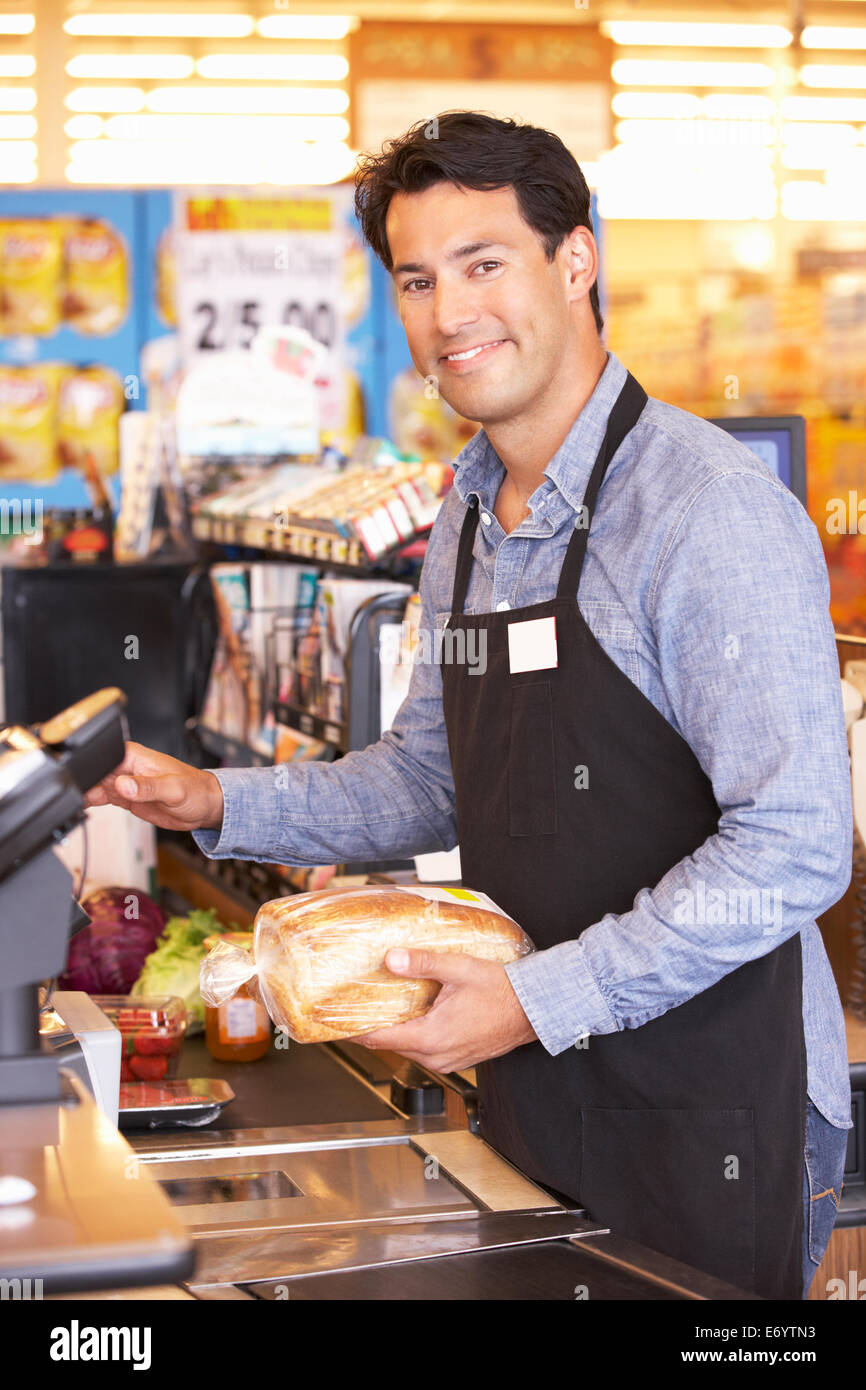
column 780, row 442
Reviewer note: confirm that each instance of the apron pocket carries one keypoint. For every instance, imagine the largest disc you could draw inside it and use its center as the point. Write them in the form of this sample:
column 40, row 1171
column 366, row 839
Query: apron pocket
column 681, row 1182
column 531, row 773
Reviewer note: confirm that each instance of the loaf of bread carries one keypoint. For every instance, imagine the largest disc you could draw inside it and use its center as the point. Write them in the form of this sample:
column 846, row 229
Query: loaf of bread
column 320, row 957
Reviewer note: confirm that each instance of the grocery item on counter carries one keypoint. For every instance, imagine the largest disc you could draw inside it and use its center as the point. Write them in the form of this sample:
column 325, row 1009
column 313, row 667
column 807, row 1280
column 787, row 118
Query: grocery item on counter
column 96, row 291
column 238, row 1030
column 28, row 421
column 106, row 956
column 89, row 407
column 173, row 966
column 172, row 1104
column 152, row 1029
column 31, row 269
column 318, row 959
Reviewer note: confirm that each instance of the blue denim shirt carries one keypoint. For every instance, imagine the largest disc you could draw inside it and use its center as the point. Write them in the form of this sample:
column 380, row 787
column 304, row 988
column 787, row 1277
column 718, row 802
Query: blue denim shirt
column 705, row 581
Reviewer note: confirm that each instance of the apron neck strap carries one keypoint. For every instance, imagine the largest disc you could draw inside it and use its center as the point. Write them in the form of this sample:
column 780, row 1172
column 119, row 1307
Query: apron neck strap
column 624, row 416
column 463, row 568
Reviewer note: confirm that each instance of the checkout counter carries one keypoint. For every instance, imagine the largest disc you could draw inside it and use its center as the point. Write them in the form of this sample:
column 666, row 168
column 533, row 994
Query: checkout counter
column 335, row 1173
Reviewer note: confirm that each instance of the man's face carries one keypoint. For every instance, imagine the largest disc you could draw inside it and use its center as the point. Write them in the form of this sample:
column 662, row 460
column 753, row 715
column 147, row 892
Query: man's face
column 470, row 274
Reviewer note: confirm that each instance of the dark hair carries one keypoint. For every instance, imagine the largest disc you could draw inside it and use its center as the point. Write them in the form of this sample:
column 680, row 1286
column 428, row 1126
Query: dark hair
column 474, row 150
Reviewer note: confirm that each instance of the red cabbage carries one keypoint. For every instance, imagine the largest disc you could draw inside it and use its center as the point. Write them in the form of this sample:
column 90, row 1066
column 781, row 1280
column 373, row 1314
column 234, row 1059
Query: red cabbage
column 106, row 957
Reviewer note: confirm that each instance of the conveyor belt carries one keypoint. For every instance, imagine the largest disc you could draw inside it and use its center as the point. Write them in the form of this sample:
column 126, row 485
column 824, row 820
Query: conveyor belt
column 302, row 1085
column 554, row 1272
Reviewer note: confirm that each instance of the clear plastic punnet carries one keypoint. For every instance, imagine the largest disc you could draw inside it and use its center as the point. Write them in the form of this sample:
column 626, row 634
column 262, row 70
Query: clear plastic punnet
column 318, row 959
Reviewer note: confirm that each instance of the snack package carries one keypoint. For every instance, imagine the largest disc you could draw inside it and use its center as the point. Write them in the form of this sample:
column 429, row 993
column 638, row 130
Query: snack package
column 28, row 421
column 88, row 415
column 31, row 263
column 318, row 959
column 96, row 297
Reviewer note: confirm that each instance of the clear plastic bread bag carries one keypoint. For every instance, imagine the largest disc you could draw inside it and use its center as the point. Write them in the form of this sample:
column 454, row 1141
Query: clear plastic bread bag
column 318, row 959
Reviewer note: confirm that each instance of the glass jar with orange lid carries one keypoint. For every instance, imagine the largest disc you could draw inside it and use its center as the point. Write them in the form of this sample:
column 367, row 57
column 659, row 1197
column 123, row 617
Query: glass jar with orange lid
column 239, row 1030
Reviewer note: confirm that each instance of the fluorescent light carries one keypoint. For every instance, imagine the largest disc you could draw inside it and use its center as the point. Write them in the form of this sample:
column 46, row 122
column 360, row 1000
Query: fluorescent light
column 663, row 105
column 251, row 100
column 159, row 65
column 105, row 99
column 17, row 98
column 826, row 36
column 171, row 26
column 823, row 108
column 804, row 133
column 806, row 201
column 729, row 106
column 306, row 26
column 809, row 157
column 17, row 23
column 25, row 150
column 651, row 73
column 17, row 127
column 227, row 130
column 16, row 164
column 23, row 66
column 830, row 75
column 116, row 162
column 83, row 127
column 674, row 35
column 273, row 67
column 689, row 132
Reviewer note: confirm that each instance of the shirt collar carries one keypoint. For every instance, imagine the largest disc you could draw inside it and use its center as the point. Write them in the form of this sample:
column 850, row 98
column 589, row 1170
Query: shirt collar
column 478, row 464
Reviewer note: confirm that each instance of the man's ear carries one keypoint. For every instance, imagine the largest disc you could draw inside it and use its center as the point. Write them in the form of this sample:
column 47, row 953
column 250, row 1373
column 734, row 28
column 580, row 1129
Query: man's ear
column 578, row 252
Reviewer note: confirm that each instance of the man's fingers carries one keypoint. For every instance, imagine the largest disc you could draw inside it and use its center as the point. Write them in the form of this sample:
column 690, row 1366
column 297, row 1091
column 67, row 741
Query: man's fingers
column 168, row 791
column 448, row 967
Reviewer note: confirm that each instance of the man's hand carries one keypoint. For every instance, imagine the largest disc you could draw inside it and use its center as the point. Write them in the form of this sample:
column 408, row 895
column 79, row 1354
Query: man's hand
column 476, row 1014
column 162, row 790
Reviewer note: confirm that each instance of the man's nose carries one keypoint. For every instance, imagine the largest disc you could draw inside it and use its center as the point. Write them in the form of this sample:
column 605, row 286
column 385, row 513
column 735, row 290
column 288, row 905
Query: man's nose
column 454, row 307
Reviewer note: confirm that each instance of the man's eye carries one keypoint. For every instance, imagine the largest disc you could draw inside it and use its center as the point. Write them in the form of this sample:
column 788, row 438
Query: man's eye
column 412, row 283
column 484, row 264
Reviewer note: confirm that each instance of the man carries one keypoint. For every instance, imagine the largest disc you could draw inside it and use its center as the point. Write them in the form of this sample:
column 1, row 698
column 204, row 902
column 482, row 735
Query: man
column 648, row 770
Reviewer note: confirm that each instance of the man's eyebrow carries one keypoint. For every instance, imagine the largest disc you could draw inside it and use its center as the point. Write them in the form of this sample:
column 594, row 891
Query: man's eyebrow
column 470, row 249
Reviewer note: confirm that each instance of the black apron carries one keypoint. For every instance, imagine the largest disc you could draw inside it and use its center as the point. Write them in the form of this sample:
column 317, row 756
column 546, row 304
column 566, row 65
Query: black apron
column 687, row 1133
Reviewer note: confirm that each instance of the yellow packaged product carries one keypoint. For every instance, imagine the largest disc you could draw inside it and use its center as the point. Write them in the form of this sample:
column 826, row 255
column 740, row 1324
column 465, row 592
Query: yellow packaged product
column 96, row 297
column 28, row 421
column 166, row 278
column 91, row 404
column 31, row 261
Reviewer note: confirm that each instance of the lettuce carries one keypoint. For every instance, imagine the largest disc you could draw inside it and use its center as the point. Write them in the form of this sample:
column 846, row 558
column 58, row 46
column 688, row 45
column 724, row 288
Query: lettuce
column 173, row 968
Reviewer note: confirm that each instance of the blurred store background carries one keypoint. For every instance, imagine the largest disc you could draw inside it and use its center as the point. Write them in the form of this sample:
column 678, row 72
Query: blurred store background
column 157, row 160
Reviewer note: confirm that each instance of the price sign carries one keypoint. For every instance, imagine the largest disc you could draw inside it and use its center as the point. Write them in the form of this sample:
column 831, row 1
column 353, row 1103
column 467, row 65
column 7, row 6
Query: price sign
column 245, row 261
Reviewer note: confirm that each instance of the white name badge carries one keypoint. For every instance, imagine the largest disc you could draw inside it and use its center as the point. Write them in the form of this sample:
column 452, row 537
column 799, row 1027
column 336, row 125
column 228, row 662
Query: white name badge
column 532, row 645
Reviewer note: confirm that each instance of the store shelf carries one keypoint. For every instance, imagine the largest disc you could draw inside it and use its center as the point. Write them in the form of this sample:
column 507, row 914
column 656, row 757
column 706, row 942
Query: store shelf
column 298, row 543
column 328, row 730
column 221, row 746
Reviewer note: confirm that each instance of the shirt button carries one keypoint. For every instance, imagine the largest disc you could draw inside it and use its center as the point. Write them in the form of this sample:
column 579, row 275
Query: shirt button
column 485, row 519
column 502, row 605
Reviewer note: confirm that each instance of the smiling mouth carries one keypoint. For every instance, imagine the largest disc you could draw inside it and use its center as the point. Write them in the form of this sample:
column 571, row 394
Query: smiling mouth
column 468, row 354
